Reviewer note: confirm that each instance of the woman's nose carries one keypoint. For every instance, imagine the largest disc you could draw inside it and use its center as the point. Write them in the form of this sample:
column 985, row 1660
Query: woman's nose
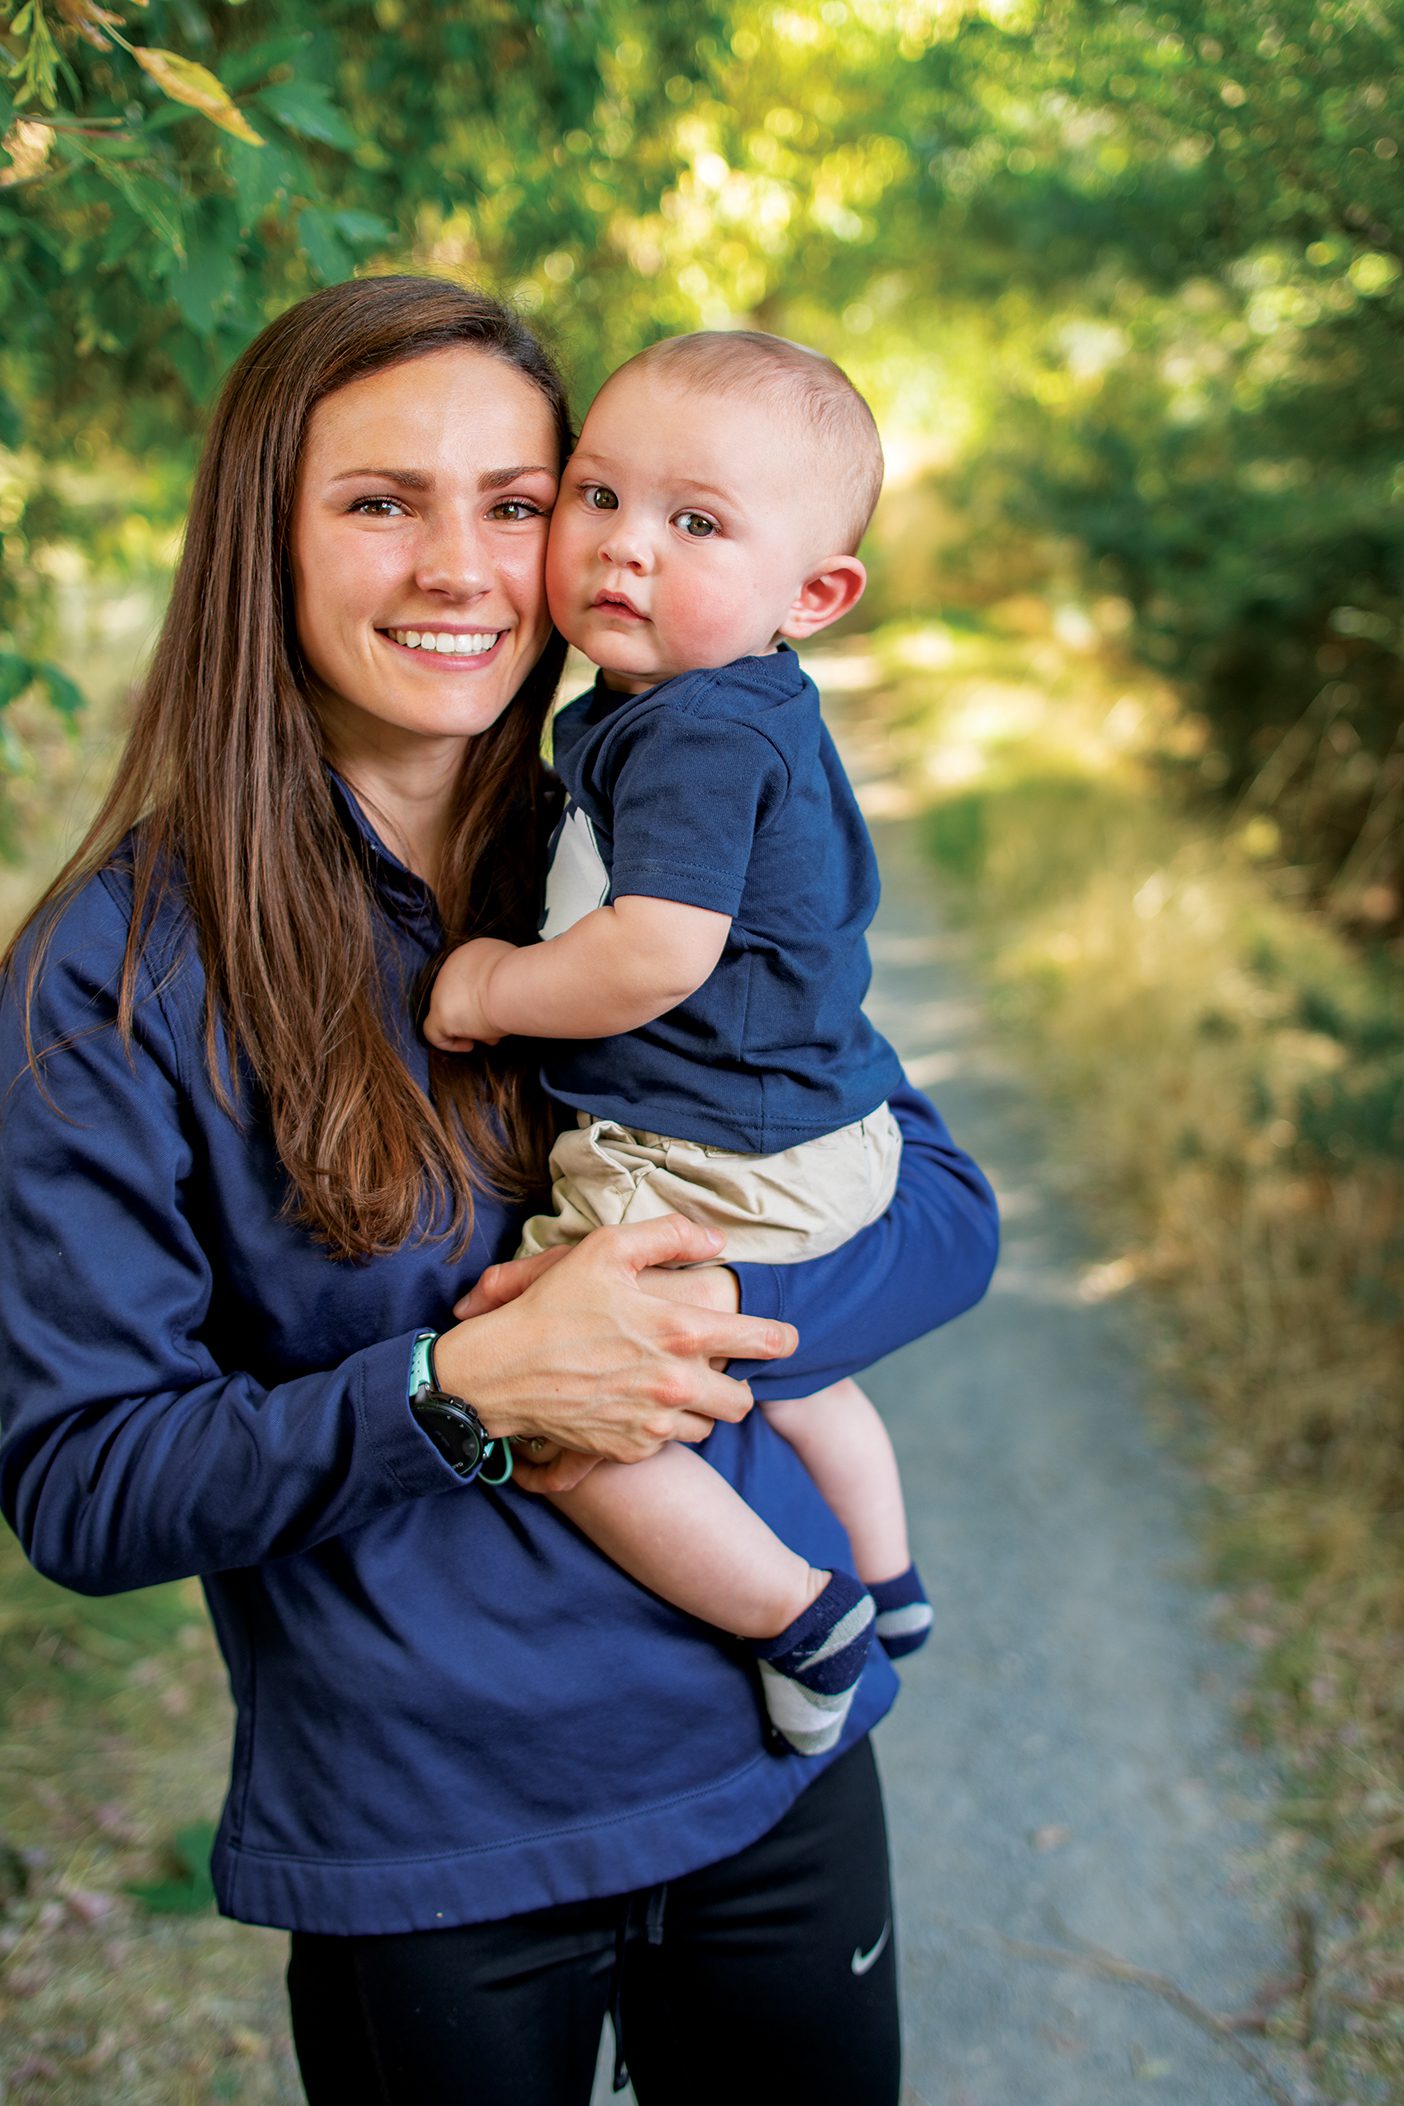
column 454, row 561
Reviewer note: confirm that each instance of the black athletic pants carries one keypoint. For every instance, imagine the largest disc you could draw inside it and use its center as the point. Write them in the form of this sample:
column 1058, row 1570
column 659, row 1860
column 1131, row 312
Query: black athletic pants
column 768, row 1977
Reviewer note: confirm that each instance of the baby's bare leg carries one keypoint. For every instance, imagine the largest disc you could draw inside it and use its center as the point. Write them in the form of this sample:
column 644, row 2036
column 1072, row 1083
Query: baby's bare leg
column 682, row 1531
column 679, row 1528
column 844, row 1445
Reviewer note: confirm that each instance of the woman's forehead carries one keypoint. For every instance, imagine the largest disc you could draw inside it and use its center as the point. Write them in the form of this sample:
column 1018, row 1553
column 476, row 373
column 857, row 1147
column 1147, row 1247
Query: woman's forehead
column 459, row 406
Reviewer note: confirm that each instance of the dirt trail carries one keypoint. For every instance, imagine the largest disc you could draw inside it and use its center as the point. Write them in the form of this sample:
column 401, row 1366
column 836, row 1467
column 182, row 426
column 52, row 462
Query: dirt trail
column 1063, row 1765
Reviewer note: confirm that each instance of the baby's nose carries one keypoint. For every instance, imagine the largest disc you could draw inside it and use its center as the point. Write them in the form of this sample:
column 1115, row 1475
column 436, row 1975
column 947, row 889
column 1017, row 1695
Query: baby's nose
column 624, row 545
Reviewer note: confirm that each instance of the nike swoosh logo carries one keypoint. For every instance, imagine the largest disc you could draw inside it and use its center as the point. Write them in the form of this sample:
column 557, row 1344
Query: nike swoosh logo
column 862, row 1961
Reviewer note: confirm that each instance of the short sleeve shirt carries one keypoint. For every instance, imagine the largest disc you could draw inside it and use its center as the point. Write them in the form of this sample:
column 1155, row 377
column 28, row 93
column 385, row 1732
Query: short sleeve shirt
column 722, row 789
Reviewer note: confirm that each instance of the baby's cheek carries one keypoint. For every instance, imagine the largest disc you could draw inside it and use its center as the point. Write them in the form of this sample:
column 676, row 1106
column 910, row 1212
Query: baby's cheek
column 562, row 568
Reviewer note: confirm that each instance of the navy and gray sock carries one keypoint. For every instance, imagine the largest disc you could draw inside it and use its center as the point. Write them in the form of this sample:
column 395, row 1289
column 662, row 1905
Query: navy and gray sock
column 809, row 1673
column 903, row 1613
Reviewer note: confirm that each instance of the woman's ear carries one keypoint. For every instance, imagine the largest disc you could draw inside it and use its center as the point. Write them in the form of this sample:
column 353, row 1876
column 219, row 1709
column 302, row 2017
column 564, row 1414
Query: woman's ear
column 835, row 585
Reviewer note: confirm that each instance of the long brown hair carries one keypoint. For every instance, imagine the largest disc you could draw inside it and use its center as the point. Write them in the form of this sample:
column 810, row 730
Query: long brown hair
column 223, row 791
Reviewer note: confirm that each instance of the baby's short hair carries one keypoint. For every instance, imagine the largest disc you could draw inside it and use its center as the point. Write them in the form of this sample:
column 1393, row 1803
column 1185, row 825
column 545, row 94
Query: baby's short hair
column 809, row 387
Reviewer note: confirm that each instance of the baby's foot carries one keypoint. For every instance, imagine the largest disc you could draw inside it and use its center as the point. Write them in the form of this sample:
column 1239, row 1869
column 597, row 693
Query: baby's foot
column 809, row 1673
column 903, row 1613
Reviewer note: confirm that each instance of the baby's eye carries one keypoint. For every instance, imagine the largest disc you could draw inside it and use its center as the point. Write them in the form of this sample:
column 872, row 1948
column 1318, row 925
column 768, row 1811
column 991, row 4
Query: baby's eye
column 516, row 508
column 377, row 507
column 696, row 525
column 599, row 499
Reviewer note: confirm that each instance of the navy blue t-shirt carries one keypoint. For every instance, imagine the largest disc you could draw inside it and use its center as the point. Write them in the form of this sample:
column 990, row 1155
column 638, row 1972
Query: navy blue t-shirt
column 722, row 789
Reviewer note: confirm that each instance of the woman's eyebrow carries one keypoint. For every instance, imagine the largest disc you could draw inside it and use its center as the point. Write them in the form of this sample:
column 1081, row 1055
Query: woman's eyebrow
column 407, row 478
column 499, row 478
column 421, row 479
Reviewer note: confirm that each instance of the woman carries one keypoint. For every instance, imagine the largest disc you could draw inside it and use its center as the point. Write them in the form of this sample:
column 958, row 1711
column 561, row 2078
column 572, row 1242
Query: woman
column 492, row 1787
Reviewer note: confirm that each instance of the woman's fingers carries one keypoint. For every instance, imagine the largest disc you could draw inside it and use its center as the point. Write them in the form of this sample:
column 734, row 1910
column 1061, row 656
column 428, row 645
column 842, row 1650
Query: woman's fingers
column 501, row 1284
column 569, row 1468
column 705, row 1286
column 671, row 1240
column 712, row 1331
column 562, row 1474
column 691, row 1333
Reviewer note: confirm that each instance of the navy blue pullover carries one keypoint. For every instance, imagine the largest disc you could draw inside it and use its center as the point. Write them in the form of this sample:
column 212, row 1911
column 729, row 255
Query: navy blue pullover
column 450, row 1706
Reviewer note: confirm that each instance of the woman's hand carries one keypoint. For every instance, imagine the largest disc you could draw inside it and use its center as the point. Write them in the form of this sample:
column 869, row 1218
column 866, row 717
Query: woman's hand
column 705, row 1286
column 572, row 1347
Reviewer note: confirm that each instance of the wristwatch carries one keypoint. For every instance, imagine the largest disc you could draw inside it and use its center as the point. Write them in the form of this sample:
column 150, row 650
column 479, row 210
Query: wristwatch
column 451, row 1423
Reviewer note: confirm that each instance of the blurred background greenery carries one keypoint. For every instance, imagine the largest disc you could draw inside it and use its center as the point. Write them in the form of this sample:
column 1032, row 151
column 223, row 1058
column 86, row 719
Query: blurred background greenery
column 1125, row 285
column 1123, row 282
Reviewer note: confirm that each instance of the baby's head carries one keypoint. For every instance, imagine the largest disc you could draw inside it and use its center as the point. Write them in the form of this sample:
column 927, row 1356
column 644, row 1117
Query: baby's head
column 714, row 504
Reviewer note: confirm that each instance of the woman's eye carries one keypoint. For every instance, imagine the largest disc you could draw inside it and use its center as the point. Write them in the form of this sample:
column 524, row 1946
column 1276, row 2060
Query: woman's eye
column 599, row 499
column 696, row 525
column 378, row 507
column 516, row 508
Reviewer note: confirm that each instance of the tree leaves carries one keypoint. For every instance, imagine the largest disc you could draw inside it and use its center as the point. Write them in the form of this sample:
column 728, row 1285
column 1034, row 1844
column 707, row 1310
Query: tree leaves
column 323, row 246
column 974, row 202
column 143, row 190
column 304, row 107
column 19, row 673
column 184, row 81
column 331, row 239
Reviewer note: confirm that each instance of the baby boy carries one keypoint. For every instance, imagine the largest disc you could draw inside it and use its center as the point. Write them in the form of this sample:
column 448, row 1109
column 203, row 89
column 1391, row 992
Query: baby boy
column 703, row 961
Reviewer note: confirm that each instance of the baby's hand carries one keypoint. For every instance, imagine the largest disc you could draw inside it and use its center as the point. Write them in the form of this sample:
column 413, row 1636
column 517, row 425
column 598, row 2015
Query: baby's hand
column 458, row 1017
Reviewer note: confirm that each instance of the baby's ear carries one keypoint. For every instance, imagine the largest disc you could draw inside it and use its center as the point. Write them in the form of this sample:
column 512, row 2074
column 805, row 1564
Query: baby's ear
column 832, row 587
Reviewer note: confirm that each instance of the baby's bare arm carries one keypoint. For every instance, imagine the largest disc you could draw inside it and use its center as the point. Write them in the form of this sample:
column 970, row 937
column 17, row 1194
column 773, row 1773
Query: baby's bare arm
column 616, row 968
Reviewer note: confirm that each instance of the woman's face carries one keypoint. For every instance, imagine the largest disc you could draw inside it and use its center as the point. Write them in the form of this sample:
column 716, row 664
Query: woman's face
column 418, row 545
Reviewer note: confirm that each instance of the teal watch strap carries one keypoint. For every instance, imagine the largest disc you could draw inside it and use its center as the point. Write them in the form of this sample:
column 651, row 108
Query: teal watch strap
column 496, row 1466
column 421, row 1367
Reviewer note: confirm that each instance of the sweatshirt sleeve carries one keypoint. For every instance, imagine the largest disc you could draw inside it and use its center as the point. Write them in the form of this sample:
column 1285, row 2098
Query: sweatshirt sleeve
column 928, row 1259
column 127, row 1455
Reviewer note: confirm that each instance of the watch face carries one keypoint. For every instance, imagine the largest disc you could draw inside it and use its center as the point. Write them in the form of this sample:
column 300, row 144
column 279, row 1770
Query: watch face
column 456, row 1432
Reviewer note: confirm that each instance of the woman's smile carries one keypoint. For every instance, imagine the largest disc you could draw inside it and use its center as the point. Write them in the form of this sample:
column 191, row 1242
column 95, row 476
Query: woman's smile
column 449, row 645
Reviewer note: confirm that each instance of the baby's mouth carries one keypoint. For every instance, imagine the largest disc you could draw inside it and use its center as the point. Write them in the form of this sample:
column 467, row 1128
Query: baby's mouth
column 617, row 603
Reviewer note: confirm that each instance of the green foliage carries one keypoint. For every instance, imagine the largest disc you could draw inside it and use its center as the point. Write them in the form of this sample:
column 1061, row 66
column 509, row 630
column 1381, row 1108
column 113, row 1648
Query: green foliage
column 1137, row 269
column 90, row 1643
column 1210, row 407
column 185, row 1889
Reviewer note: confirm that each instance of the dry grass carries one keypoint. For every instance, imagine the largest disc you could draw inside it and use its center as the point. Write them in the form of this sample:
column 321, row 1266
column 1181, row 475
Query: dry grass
column 1228, row 1073
column 114, row 1736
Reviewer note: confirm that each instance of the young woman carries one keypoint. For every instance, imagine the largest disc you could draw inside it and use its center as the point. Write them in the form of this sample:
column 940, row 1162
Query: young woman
column 492, row 1787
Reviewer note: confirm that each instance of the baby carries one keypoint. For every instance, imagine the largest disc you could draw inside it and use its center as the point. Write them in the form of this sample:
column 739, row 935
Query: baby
column 703, row 963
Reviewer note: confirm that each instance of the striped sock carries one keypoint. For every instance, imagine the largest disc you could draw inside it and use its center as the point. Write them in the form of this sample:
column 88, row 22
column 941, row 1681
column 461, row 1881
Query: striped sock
column 903, row 1613
column 809, row 1673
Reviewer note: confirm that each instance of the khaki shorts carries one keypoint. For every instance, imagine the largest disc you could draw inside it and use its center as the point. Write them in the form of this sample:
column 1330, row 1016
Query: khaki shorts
column 773, row 1208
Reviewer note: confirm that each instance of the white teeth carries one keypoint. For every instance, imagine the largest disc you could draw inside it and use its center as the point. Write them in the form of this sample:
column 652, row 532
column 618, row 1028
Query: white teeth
column 444, row 642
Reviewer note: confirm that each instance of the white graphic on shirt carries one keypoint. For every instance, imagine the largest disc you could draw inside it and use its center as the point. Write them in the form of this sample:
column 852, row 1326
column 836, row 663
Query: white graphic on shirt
column 862, row 1961
column 577, row 882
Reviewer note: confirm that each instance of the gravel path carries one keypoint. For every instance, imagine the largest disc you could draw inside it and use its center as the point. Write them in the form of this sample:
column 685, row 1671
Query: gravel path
column 1062, row 1766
